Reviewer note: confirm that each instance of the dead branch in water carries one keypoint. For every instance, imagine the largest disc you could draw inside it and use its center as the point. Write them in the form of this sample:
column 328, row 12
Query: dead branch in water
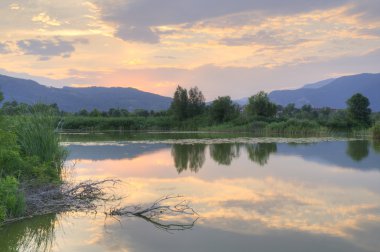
column 154, row 213
column 88, row 195
column 85, row 196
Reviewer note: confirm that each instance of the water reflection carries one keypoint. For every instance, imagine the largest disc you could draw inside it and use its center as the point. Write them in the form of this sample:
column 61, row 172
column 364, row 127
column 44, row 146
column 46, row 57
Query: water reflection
column 259, row 153
column 358, row 150
column 224, row 153
column 192, row 156
column 323, row 196
column 376, row 145
column 36, row 234
column 188, row 156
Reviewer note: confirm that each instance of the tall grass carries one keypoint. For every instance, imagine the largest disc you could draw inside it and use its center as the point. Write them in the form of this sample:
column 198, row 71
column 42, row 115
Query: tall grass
column 37, row 137
column 295, row 126
column 29, row 152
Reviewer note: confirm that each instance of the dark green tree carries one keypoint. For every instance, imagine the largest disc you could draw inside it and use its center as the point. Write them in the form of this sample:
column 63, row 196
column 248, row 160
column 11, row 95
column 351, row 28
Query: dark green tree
column 83, row 112
column 290, row 110
column 142, row 112
column 179, row 104
column 359, row 111
column 196, row 102
column 1, row 96
column 114, row 112
column 223, row 109
column 260, row 105
column 95, row 113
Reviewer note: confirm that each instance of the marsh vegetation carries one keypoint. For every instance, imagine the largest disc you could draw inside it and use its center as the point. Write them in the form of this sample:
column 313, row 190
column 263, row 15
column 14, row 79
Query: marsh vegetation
column 189, row 111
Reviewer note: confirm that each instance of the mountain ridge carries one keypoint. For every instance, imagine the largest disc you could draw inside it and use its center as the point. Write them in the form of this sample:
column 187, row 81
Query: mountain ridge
column 334, row 94
column 74, row 99
column 326, row 93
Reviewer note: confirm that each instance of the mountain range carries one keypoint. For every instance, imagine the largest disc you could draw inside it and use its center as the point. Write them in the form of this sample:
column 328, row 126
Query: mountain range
column 332, row 93
column 74, row 99
column 327, row 93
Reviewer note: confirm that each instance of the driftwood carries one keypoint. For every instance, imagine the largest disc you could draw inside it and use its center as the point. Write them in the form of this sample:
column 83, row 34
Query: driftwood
column 85, row 196
column 160, row 209
column 88, row 196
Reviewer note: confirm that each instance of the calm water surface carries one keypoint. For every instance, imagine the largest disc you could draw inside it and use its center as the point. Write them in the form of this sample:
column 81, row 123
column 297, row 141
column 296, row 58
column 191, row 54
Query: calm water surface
column 250, row 196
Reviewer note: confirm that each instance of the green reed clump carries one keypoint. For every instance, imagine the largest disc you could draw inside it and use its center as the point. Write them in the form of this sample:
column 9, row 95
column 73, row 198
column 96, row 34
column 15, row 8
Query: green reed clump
column 30, row 154
column 293, row 126
column 39, row 142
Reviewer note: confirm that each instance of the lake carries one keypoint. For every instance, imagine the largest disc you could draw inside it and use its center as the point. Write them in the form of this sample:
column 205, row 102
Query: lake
column 250, row 194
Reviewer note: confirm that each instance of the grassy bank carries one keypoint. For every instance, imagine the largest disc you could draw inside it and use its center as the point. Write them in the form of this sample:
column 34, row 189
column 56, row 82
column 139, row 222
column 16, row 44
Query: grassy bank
column 30, row 156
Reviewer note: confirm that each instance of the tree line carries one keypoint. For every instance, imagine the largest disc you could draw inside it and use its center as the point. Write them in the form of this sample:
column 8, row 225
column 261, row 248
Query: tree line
column 189, row 110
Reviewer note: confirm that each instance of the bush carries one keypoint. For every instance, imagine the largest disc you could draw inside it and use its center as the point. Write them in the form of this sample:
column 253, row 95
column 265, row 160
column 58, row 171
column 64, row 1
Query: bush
column 258, row 125
column 294, row 126
column 340, row 121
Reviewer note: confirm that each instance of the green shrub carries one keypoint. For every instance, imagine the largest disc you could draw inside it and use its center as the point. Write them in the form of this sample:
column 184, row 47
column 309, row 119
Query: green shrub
column 339, row 121
column 259, row 125
column 294, row 126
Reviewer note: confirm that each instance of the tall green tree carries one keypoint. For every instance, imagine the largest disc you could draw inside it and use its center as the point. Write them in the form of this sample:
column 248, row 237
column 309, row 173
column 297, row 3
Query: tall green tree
column 197, row 102
column 95, row 113
column 83, row 112
column 290, row 110
column 1, row 96
column 223, row 109
column 359, row 111
column 180, row 102
column 260, row 105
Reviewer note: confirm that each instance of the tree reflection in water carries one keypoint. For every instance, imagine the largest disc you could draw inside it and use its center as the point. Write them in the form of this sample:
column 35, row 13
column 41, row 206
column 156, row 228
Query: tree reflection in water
column 192, row 156
column 36, row 234
column 188, row 156
column 358, row 150
column 224, row 153
column 260, row 152
column 376, row 145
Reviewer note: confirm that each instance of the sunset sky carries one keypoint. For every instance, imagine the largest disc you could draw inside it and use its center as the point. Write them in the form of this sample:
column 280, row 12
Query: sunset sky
column 225, row 47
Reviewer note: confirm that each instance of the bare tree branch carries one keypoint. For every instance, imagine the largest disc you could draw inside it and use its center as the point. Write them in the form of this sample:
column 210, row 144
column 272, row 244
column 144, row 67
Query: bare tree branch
column 160, row 209
column 88, row 196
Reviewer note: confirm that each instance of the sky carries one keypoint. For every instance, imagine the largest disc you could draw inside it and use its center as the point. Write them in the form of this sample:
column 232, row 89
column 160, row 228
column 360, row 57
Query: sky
column 225, row 47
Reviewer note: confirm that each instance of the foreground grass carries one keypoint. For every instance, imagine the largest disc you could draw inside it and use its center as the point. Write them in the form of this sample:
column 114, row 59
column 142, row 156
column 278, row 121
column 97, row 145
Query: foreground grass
column 30, row 154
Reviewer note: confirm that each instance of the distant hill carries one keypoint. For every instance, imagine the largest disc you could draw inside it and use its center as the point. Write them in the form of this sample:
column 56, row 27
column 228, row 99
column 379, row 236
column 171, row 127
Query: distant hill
column 74, row 99
column 332, row 93
column 318, row 84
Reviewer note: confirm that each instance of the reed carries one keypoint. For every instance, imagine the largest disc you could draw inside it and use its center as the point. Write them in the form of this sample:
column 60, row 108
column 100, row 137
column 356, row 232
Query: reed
column 37, row 137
